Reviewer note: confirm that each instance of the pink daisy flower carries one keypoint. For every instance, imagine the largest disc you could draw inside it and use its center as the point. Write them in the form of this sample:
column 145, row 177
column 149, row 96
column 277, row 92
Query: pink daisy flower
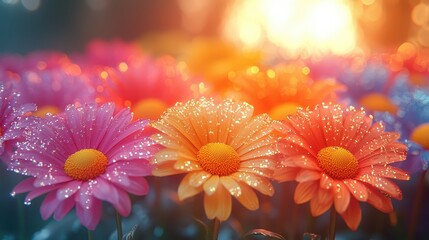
column 53, row 90
column 338, row 157
column 149, row 87
column 83, row 157
column 13, row 120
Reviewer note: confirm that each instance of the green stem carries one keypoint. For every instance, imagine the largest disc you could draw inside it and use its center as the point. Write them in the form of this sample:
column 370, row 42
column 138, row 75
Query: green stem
column 417, row 205
column 332, row 223
column 118, row 225
column 216, row 226
column 90, row 235
column 21, row 219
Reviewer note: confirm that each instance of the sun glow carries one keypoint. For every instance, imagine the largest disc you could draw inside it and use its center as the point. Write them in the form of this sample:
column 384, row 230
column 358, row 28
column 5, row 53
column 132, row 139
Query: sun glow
column 300, row 27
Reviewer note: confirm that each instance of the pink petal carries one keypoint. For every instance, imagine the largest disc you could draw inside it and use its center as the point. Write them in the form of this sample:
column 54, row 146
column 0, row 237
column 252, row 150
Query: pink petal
column 134, row 185
column 342, row 197
column 38, row 192
column 68, row 189
column 49, row 204
column 64, row 208
column 353, row 214
column 308, row 175
column 89, row 217
column 106, row 191
column 358, row 189
column 305, row 191
column 131, row 168
column 218, row 205
column 24, row 186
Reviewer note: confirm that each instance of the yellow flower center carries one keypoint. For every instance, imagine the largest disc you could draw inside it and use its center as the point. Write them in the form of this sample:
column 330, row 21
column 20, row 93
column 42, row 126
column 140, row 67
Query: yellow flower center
column 378, row 102
column 337, row 162
column 218, row 159
column 280, row 112
column 42, row 111
column 86, row 164
column 420, row 135
column 150, row 108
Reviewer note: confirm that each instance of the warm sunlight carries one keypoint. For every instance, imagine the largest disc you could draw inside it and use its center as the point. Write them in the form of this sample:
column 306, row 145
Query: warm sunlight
column 300, row 27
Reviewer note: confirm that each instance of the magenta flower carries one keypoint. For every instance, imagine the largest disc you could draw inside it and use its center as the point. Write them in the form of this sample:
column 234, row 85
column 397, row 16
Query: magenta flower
column 53, row 90
column 83, row 157
column 13, row 120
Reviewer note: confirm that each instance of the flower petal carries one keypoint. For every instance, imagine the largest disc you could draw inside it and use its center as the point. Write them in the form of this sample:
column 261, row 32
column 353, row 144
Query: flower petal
column 342, row 197
column 106, row 191
column 186, row 190
column 49, row 204
column 262, row 184
column 248, row 197
column 305, row 191
column 352, row 215
column 211, row 185
column 218, row 205
column 322, row 202
column 379, row 200
column 231, row 185
column 89, row 217
column 382, row 184
column 358, row 189
column 307, row 175
column 64, row 208
column 68, row 189
column 285, row 174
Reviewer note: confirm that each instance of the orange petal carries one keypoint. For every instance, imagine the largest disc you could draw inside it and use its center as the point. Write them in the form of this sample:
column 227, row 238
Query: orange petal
column 342, row 197
column 352, row 215
column 262, row 184
column 166, row 169
column 357, row 188
column 231, row 185
column 285, row 174
column 379, row 200
column 186, row 190
column 218, row 205
column 211, row 185
column 305, row 191
column 321, row 203
column 198, row 178
column 248, row 197
column 308, row 175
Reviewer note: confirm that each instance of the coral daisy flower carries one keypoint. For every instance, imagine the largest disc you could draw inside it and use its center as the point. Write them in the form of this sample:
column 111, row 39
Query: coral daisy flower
column 339, row 157
column 83, row 157
column 53, row 90
column 280, row 90
column 13, row 120
column 222, row 149
column 149, row 87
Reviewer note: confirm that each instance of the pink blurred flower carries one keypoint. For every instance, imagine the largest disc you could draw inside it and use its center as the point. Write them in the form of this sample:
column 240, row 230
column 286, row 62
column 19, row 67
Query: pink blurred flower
column 339, row 157
column 149, row 87
column 53, row 90
column 111, row 53
column 13, row 120
column 83, row 157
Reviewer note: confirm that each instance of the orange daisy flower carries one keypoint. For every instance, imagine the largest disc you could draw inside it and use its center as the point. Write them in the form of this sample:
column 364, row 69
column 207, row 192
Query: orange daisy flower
column 339, row 157
column 280, row 90
column 223, row 150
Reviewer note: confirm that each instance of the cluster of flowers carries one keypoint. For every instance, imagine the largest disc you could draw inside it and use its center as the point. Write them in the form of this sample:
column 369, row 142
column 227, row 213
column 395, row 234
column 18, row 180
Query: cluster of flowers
column 90, row 127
